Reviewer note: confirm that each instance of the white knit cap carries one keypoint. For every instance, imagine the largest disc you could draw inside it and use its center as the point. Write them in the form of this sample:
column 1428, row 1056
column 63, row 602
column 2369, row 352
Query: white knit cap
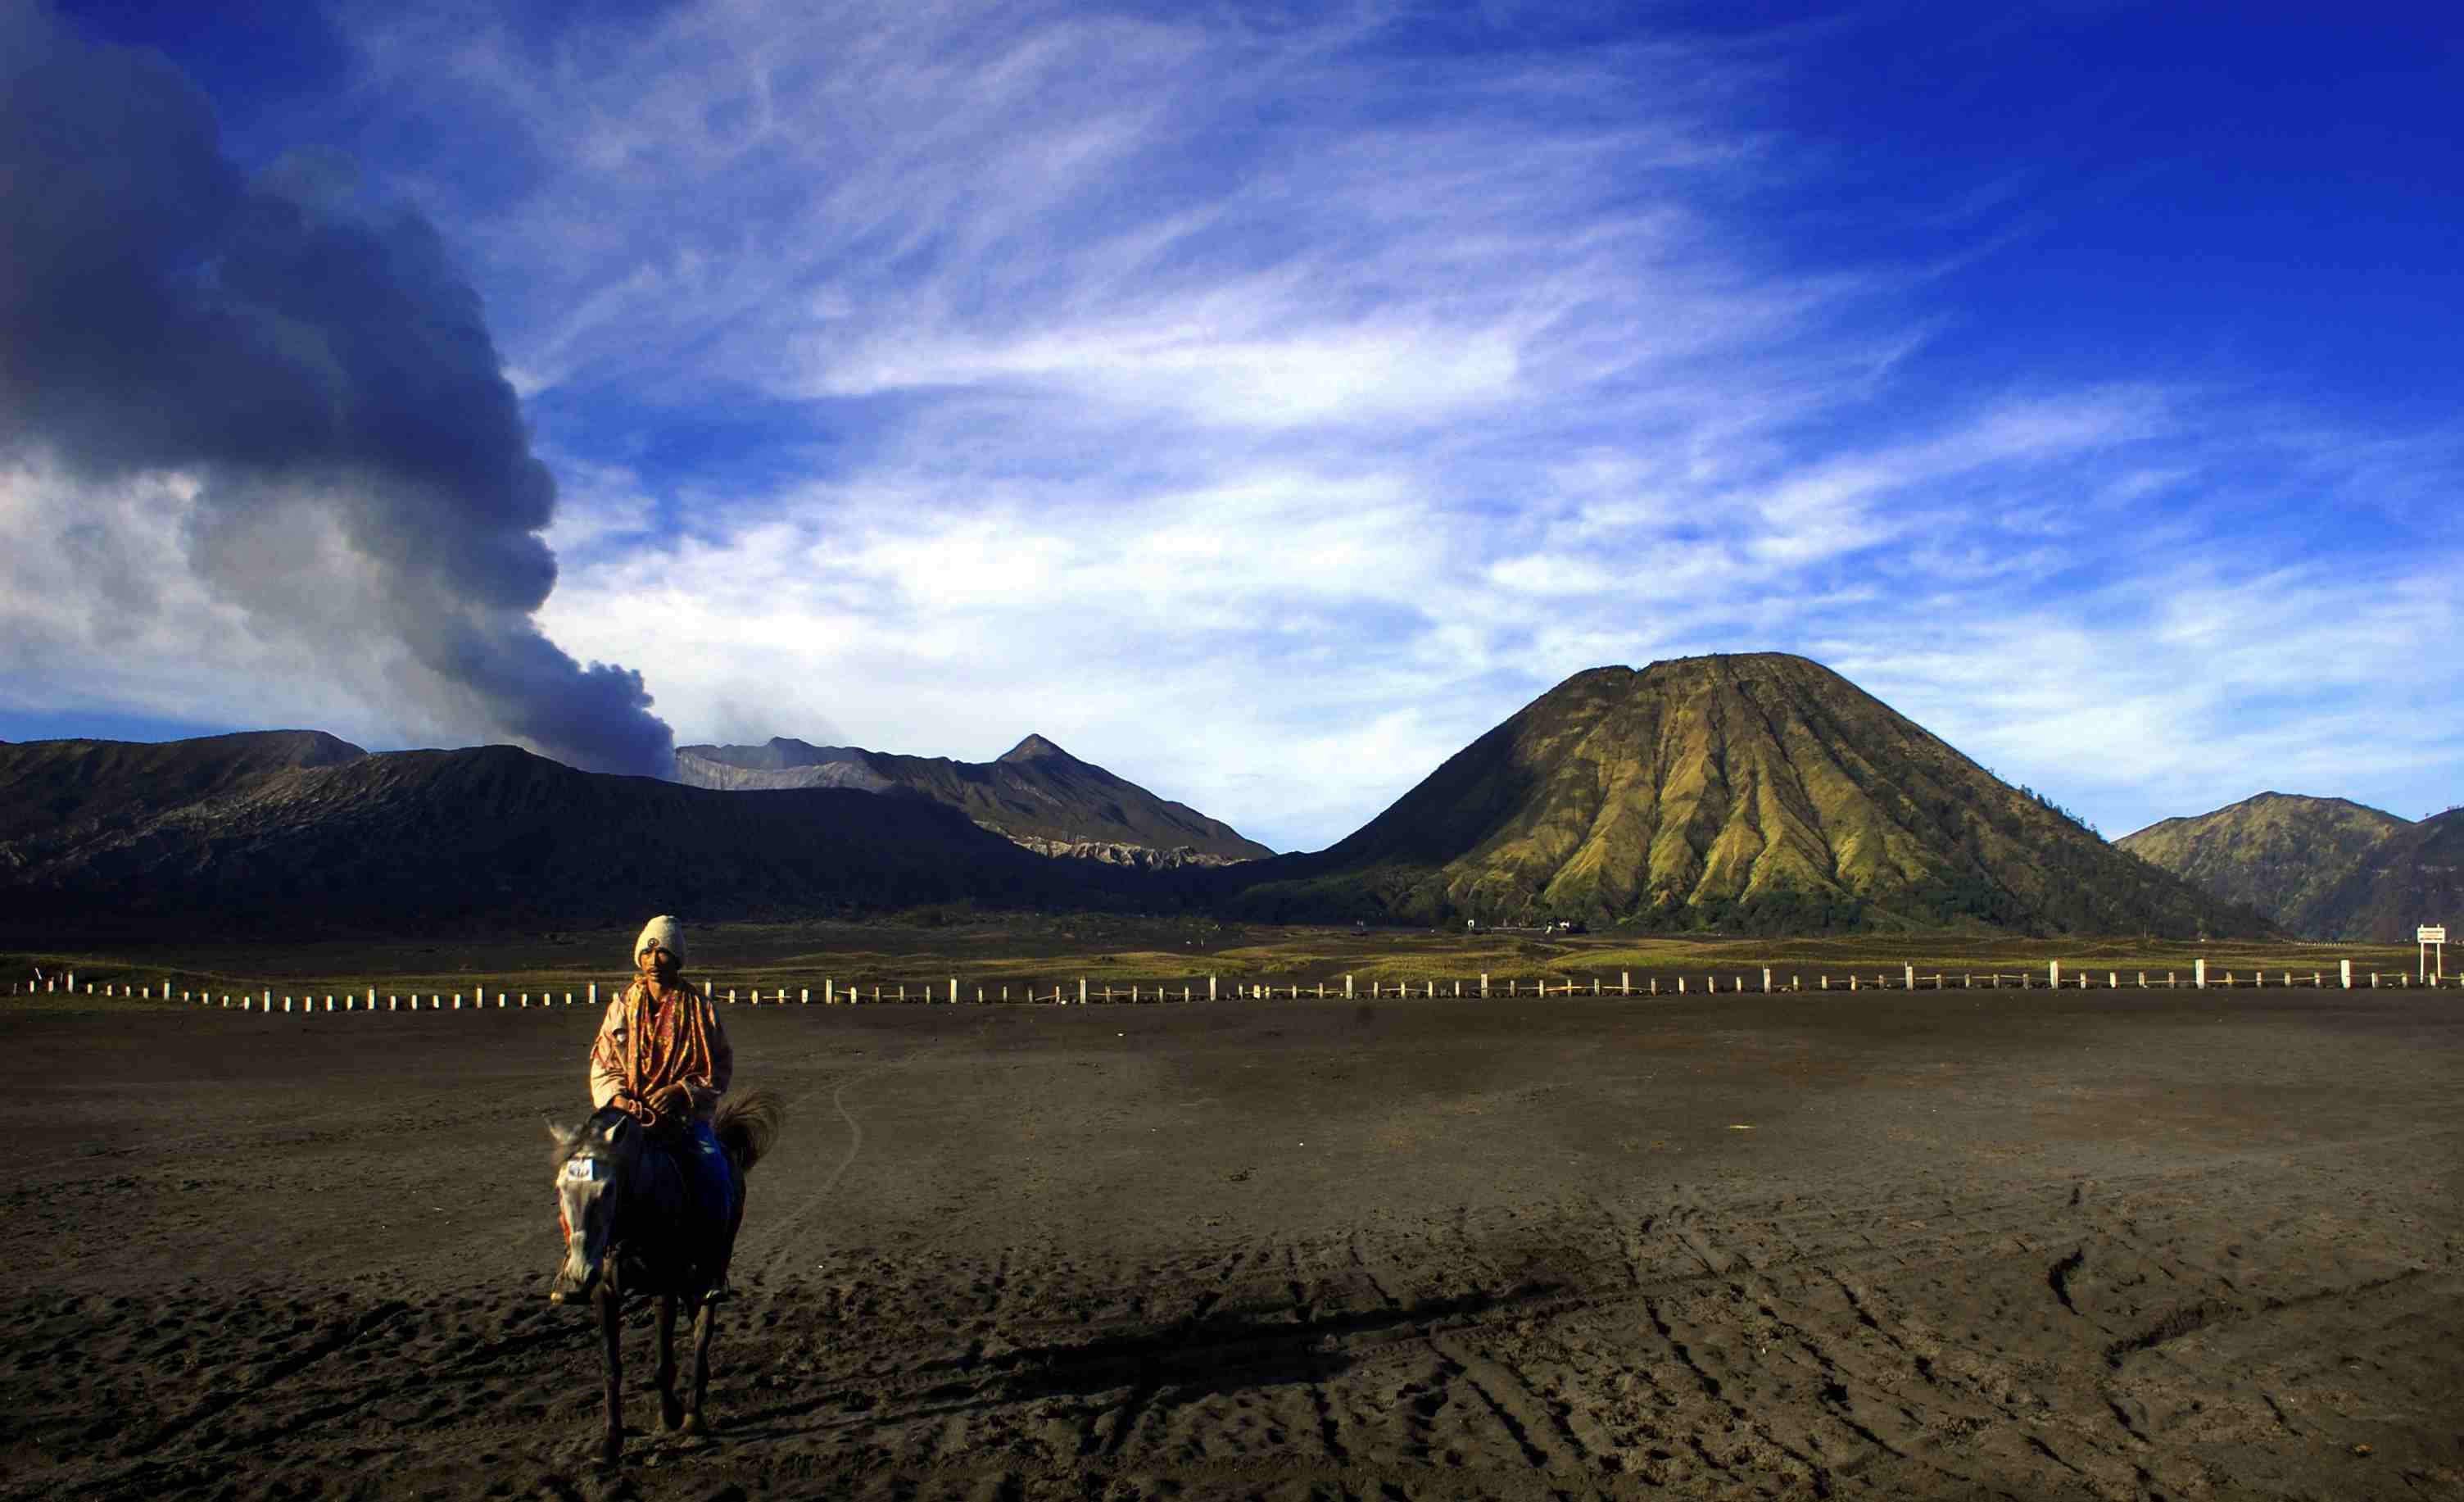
column 667, row 933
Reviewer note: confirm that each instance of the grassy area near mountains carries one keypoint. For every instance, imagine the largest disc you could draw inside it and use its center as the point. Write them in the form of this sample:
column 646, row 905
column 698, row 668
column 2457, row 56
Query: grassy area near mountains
column 1023, row 950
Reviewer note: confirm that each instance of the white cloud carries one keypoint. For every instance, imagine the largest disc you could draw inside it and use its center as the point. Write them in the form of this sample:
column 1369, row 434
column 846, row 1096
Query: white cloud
column 100, row 611
column 1266, row 422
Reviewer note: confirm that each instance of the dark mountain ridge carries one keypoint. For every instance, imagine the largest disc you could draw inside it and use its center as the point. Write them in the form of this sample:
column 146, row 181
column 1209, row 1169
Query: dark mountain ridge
column 1035, row 794
column 487, row 838
column 54, row 792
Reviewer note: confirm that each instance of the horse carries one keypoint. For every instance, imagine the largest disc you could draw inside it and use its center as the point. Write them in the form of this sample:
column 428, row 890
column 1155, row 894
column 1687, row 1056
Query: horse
column 630, row 1227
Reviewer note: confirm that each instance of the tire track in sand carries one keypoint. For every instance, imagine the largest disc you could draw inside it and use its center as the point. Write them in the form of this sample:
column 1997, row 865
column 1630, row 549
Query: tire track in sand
column 773, row 1230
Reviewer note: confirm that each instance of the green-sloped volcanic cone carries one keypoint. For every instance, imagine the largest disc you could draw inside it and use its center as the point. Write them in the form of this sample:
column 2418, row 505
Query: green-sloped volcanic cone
column 2279, row 852
column 1749, row 793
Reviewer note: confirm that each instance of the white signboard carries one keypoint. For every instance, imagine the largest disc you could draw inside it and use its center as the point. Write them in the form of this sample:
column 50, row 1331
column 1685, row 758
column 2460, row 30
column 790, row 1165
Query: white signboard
column 2432, row 935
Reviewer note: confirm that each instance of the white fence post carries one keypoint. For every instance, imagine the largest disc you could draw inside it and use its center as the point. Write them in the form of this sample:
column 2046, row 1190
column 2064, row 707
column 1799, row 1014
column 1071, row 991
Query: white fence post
column 1347, row 985
column 2199, row 974
column 2344, row 972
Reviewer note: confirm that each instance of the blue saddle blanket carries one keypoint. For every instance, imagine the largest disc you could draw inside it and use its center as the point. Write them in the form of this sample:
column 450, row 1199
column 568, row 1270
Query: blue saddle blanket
column 694, row 1187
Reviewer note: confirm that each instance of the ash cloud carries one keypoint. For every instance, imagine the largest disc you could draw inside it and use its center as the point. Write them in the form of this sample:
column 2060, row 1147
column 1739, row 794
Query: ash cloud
column 323, row 374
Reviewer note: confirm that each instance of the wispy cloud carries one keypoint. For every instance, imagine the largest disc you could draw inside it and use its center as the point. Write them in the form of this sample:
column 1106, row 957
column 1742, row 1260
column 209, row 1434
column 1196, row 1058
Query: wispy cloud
column 1266, row 409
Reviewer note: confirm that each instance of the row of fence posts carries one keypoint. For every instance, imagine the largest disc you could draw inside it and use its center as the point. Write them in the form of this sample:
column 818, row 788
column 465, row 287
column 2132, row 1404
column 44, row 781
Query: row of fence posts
column 833, row 993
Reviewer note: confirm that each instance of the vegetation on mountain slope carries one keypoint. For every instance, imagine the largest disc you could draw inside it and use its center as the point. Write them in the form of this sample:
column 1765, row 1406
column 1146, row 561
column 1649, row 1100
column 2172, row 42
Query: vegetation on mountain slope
column 2414, row 876
column 1754, row 793
column 2279, row 852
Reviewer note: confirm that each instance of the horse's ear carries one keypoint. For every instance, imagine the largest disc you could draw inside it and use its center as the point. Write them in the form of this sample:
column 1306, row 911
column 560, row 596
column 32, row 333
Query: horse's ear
column 557, row 1132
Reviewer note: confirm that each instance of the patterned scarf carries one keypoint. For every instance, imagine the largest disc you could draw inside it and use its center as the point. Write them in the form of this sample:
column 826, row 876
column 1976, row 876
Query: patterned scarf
column 666, row 1043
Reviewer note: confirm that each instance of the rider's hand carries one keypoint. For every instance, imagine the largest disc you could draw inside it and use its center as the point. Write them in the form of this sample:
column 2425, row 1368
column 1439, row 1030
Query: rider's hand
column 675, row 1100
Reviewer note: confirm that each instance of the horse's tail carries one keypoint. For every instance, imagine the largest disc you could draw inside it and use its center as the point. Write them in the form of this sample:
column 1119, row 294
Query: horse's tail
column 746, row 1124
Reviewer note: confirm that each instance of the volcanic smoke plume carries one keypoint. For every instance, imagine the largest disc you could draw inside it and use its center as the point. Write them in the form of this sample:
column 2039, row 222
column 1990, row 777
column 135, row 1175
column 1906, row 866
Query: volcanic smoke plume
column 319, row 379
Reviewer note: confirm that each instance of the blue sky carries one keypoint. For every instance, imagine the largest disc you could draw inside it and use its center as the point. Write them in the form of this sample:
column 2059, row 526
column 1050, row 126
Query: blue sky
column 1262, row 401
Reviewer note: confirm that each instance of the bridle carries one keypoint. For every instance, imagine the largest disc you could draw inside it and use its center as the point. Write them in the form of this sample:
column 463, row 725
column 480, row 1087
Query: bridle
column 564, row 1223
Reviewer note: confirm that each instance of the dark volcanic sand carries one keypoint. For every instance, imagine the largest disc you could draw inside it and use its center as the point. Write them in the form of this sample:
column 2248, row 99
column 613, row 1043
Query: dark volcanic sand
column 2175, row 1244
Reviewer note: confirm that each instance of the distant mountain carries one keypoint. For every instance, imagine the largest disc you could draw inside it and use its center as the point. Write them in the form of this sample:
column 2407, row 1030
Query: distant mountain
column 780, row 763
column 2413, row 876
column 1751, row 793
column 258, row 835
column 2279, row 852
column 1037, row 795
column 55, row 793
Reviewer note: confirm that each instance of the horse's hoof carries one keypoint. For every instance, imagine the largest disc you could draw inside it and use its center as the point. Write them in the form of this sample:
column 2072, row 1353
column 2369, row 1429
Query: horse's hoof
column 694, row 1425
column 672, row 1416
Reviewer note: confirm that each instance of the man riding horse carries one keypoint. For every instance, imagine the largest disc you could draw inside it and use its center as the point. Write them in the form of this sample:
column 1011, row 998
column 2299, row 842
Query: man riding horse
column 650, row 1189
column 662, row 1057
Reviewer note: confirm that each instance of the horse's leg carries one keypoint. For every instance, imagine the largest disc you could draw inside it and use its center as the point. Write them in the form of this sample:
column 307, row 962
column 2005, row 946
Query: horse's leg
column 672, row 1409
column 705, row 1318
column 610, row 1308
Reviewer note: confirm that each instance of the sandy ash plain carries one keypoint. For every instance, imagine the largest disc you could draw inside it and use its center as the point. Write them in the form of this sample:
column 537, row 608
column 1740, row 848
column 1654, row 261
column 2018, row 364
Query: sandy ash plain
column 1947, row 1243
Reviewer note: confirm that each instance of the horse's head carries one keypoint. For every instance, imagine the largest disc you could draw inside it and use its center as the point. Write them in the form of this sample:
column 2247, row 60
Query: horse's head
column 593, row 1163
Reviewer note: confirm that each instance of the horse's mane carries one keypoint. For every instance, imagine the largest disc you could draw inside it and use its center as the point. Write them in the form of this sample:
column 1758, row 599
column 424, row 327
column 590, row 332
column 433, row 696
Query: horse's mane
column 748, row 1125
column 566, row 1144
